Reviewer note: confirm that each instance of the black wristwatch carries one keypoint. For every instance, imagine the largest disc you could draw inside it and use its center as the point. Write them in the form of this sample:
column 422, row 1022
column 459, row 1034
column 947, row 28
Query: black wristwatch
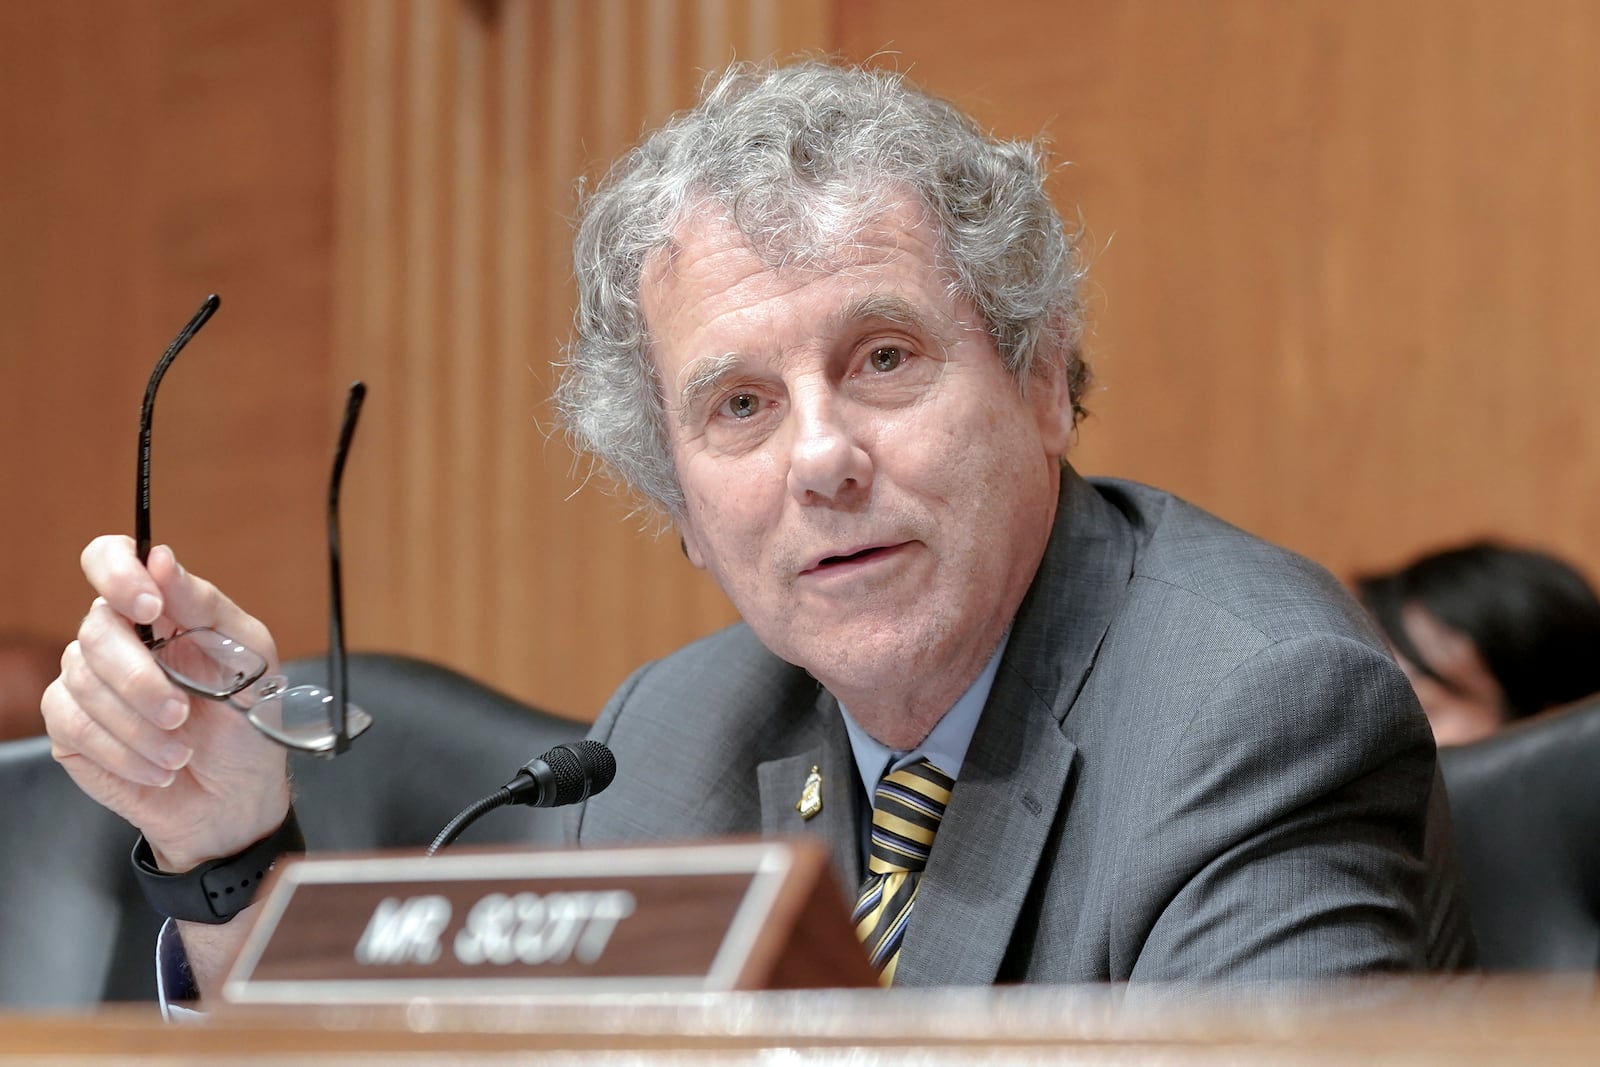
column 216, row 890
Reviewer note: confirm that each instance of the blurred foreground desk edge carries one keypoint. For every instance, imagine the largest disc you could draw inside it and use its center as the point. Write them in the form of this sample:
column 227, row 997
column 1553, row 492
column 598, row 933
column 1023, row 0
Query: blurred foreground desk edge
column 1421, row 1021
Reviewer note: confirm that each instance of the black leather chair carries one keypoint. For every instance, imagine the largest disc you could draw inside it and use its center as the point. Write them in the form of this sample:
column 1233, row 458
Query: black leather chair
column 74, row 929
column 1525, row 804
column 439, row 741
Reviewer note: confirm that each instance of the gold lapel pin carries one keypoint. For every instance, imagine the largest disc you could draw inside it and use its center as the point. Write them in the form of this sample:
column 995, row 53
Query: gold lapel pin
column 810, row 795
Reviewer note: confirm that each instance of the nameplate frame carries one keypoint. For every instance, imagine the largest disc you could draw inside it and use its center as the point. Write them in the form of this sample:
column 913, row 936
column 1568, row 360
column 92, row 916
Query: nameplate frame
column 479, row 925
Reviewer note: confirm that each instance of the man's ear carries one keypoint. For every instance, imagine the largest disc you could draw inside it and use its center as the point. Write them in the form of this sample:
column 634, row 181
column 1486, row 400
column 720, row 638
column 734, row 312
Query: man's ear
column 1050, row 396
column 690, row 545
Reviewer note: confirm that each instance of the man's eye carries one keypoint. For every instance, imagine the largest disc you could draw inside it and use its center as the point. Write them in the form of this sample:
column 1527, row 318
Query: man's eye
column 742, row 405
column 886, row 358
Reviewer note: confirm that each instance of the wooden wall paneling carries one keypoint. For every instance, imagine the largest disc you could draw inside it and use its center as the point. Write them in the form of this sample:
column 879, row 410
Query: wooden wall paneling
column 518, row 208
column 155, row 153
column 1342, row 251
column 1344, row 254
column 464, row 126
column 422, row 383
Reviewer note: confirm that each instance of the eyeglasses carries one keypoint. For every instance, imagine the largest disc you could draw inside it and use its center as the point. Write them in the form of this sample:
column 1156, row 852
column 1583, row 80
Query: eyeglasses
column 212, row 665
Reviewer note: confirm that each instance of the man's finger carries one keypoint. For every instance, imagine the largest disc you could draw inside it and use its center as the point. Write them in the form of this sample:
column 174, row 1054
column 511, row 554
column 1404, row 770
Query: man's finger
column 112, row 567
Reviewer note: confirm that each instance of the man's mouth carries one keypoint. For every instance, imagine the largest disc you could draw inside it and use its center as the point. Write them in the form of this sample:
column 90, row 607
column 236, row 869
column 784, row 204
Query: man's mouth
column 857, row 556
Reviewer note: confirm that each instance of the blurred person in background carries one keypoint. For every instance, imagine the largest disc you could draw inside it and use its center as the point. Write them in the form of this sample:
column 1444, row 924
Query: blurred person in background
column 1488, row 634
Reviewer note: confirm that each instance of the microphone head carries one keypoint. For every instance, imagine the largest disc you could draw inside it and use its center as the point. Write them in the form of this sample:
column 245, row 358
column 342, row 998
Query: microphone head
column 578, row 771
column 599, row 765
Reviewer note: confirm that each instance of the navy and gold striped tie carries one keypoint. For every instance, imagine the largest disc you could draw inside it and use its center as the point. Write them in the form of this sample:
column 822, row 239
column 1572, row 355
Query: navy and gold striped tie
column 906, row 810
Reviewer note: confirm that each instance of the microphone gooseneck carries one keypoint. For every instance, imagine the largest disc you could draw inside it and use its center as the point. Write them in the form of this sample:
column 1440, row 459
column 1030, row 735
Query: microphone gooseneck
column 567, row 774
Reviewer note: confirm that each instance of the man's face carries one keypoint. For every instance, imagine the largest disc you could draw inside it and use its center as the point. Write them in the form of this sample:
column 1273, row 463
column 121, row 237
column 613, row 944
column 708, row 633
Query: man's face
column 860, row 472
column 1469, row 706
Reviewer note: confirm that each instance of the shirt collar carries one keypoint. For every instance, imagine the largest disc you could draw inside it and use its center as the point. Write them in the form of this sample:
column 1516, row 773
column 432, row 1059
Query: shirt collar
column 946, row 744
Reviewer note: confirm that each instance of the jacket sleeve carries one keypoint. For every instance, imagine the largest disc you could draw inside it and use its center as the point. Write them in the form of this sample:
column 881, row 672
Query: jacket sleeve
column 1287, row 837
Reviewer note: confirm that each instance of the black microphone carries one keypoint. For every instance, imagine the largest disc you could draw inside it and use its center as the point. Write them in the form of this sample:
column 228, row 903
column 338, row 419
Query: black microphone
column 567, row 774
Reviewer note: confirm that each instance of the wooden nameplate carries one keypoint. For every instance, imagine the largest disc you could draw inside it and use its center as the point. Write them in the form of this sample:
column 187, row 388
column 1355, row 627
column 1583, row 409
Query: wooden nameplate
column 475, row 925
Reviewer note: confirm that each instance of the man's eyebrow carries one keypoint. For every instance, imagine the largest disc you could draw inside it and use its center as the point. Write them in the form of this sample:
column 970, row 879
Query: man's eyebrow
column 893, row 309
column 886, row 307
column 701, row 378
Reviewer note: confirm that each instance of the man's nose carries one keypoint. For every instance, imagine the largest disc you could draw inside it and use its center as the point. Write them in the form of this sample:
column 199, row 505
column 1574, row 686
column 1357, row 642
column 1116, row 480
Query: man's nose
column 828, row 462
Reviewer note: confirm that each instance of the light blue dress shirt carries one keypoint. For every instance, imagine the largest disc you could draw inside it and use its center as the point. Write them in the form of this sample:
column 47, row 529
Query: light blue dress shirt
column 945, row 746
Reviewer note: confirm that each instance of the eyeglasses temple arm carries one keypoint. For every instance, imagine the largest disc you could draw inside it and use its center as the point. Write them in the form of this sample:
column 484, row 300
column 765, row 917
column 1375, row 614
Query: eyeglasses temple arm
column 336, row 652
column 141, row 504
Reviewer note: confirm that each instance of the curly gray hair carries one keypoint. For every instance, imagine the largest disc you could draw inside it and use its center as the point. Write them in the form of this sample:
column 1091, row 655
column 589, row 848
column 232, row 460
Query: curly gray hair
column 800, row 158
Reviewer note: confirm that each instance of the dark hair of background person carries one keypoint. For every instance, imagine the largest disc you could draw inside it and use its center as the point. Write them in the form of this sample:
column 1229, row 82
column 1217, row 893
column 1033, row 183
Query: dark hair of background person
column 27, row 665
column 1534, row 620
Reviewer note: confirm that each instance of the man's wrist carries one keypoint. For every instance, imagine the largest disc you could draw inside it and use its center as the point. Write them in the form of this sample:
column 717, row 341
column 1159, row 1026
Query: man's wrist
column 216, row 890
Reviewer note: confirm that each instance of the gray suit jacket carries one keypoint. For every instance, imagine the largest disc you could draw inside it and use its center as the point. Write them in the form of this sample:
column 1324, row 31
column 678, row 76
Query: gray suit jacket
column 1196, row 762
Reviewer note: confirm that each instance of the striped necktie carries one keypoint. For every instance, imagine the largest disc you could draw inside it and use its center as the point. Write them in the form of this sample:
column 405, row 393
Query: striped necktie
column 906, row 810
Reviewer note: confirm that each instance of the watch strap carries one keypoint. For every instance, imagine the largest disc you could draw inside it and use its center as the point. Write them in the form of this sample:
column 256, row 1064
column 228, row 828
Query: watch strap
column 216, row 890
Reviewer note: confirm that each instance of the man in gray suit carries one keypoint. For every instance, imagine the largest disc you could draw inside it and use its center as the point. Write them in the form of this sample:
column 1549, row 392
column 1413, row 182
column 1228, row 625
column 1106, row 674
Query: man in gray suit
column 1057, row 729
column 1177, row 752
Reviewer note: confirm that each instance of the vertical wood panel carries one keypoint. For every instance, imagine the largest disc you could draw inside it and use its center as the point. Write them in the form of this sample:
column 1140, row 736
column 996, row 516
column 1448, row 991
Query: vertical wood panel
column 522, row 179
column 496, row 562
column 465, row 342
column 426, row 365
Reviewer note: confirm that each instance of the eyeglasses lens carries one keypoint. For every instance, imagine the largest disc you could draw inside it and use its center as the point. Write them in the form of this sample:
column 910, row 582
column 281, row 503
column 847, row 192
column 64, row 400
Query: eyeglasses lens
column 302, row 718
column 209, row 663
column 216, row 666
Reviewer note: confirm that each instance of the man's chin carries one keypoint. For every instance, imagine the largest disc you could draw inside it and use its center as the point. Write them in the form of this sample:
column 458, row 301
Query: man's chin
column 867, row 663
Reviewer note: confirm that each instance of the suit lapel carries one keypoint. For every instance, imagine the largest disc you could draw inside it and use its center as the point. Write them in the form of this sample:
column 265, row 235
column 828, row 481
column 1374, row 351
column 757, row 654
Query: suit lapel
column 1081, row 584
column 1018, row 768
column 783, row 780
column 989, row 844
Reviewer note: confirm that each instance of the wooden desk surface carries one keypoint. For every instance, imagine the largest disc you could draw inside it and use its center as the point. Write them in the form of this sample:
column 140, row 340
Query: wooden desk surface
column 1473, row 1021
